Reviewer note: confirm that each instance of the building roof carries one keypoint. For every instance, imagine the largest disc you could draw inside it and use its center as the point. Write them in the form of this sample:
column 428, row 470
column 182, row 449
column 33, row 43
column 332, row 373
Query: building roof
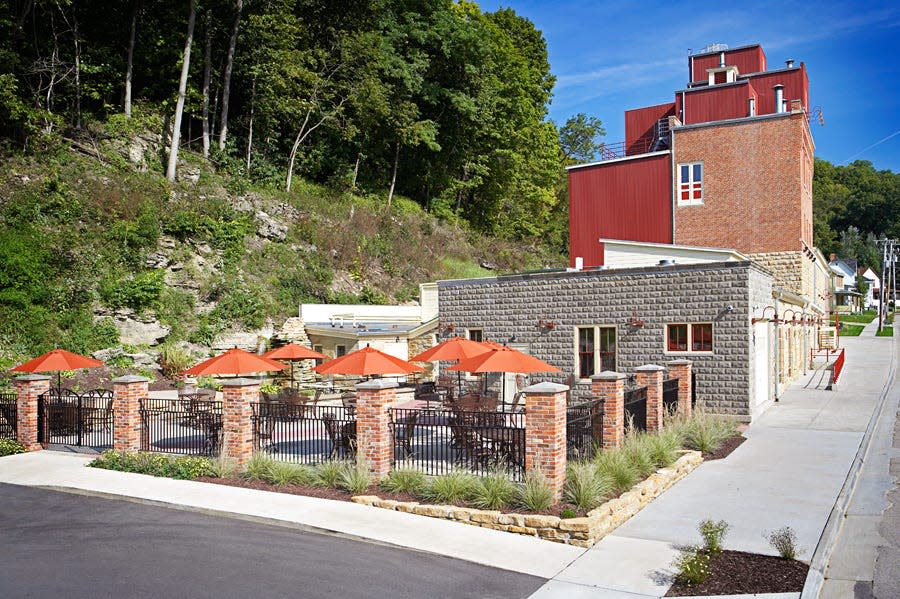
column 844, row 266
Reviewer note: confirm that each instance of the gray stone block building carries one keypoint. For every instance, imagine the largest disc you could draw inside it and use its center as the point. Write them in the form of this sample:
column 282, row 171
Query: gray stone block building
column 586, row 321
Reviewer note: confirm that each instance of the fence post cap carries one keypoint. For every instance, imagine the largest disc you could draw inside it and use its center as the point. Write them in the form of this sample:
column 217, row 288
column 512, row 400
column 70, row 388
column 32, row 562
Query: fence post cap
column 129, row 378
column 545, row 388
column 376, row 385
column 25, row 378
column 679, row 362
column 649, row 368
column 609, row 375
column 241, row 382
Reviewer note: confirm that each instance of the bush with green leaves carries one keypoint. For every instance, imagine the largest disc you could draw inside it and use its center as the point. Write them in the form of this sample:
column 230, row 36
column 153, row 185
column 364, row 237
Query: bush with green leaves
column 784, row 541
column 713, row 534
column 691, row 566
column 155, row 464
column 494, row 491
column 173, row 360
column 453, row 487
column 535, row 493
column 404, row 480
column 10, row 447
column 585, row 488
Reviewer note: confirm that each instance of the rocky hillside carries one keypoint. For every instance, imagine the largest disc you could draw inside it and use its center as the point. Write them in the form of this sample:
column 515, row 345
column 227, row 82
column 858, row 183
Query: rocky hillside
column 98, row 251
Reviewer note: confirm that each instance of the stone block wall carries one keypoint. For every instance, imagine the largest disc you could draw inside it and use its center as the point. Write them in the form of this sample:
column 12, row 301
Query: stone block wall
column 508, row 309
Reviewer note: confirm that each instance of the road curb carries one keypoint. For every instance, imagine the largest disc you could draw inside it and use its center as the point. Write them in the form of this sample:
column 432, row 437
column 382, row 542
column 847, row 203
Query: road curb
column 815, row 579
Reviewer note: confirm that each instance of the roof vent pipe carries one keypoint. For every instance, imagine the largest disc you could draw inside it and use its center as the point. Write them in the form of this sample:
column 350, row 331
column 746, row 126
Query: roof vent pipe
column 779, row 98
column 752, row 106
column 667, row 262
column 721, row 59
column 789, row 63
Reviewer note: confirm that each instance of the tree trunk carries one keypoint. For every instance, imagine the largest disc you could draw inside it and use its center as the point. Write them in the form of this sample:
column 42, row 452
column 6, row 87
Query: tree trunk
column 293, row 156
column 182, row 89
column 129, row 69
column 77, row 43
column 250, row 126
column 226, row 80
column 356, row 170
column 394, row 174
column 207, row 52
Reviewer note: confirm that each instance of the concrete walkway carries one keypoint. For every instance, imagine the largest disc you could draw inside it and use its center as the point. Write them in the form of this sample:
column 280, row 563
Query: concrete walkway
column 788, row 473
column 870, row 329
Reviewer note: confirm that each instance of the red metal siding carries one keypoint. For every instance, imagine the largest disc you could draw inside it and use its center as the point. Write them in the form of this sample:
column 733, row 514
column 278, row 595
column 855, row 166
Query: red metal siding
column 747, row 60
column 717, row 103
column 796, row 87
column 639, row 124
column 630, row 199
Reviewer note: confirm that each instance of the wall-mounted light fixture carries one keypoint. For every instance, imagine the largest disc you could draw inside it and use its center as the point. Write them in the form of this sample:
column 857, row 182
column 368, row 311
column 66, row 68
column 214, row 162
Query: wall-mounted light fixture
column 546, row 325
column 774, row 318
column 446, row 327
column 634, row 322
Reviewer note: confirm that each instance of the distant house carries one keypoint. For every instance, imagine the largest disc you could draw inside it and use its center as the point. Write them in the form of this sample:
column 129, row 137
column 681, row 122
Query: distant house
column 874, row 289
column 846, row 293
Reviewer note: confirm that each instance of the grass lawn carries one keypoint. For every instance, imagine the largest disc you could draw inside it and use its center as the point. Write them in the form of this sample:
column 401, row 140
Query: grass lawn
column 850, row 330
column 864, row 317
column 885, row 332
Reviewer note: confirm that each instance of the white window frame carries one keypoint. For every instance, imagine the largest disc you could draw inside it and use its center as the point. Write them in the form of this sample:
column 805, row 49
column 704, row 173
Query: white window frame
column 469, row 333
column 690, row 183
column 597, row 365
column 690, row 339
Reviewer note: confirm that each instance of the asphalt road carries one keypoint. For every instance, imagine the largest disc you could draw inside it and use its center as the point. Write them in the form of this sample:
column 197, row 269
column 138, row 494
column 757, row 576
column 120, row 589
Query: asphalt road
column 55, row 544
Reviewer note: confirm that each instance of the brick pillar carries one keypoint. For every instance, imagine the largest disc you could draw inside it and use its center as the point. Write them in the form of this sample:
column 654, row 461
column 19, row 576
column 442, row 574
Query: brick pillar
column 681, row 370
column 545, row 433
column 374, row 442
column 610, row 387
column 28, row 388
column 651, row 376
column 237, row 424
column 128, row 392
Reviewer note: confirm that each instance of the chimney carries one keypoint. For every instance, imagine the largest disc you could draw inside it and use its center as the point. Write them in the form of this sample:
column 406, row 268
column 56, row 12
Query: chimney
column 752, row 106
column 789, row 63
column 779, row 98
column 721, row 59
column 832, row 256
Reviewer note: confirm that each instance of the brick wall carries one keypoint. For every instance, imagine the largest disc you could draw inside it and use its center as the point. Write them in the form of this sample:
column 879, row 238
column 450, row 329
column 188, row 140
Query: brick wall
column 754, row 197
column 509, row 307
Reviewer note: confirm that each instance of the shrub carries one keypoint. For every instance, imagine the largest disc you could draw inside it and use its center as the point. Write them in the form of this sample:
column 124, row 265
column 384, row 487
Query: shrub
column 223, row 467
column 691, row 566
column 584, row 487
column 269, row 388
column 138, row 292
column 535, row 494
column 260, row 467
column 713, row 534
column 494, row 491
column 703, row 431
column 784, row 540
column 453, row 487
column 615, row 466
column 404, row 480
column 355, row 478
column 328, row 474
column 637, row 451
column 663, row 447
column 286, row 473
column 155, row 464
column 10, row 447
column 568, row 513
column 173, row 359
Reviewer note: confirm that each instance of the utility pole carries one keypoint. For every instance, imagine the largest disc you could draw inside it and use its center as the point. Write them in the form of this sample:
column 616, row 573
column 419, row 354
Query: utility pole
column 888, row 291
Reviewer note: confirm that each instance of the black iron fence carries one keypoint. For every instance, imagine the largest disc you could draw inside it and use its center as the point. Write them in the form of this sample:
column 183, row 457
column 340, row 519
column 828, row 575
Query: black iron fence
column 438, row 441
column 304, row 434
column 584, row 429
column 8, row 429
column 185, row 426
column 636, row 408
column 670, row 396
column 77, row 419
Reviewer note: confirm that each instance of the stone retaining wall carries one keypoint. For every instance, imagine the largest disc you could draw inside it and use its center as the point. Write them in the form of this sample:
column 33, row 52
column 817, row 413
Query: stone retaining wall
column 581, row 532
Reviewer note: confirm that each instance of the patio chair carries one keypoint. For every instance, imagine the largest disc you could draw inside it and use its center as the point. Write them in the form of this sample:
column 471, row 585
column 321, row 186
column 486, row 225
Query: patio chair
column 340, row 438
column 470, row 448
column 403, row 434
column 264, row 426
column 348, row 400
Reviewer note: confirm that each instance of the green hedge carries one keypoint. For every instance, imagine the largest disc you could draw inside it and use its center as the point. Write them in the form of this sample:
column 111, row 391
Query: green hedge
column 155, row 464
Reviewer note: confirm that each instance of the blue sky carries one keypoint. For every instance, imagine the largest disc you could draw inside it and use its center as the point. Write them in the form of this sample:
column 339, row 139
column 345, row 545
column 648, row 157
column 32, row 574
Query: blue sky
column 612, row 56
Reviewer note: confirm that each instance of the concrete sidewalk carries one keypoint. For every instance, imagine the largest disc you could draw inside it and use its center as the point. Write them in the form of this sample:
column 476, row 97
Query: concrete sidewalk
column 789, row 472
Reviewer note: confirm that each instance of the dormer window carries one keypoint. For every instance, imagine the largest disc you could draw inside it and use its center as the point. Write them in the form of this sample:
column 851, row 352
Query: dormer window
column 722, row 75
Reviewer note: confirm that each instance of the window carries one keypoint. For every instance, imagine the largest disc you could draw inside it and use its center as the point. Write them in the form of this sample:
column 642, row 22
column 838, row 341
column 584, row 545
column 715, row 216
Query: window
column 694, row 337
column 340, row 350
column 319, row 349
column 476, row 335
column 596, row 350
column 690, row 184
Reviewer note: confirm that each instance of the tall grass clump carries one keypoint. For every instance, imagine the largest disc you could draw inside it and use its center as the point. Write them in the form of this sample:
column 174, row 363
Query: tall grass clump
column 585, row 488
column 535, row 493
column 637, row 449
column 285, row 473
column 617, row 468
column 494, row 491
column 355, row 478
column 224, row 467
column 260, row 467
column 453, row 487
column 703, row 431
column 404, row 480
column 328, row 474
column 664, row 447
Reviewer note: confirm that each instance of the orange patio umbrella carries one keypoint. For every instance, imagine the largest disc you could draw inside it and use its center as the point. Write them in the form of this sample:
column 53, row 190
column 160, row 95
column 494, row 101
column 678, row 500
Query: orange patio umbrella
column 367, row 361
column 292, row 353
column 58, row 360
column 504, row 359
column 452, row 350
column 234, row 361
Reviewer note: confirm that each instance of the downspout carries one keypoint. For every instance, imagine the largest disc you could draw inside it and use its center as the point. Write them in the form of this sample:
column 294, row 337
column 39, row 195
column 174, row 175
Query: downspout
column 777, row 345
column 674, row 175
